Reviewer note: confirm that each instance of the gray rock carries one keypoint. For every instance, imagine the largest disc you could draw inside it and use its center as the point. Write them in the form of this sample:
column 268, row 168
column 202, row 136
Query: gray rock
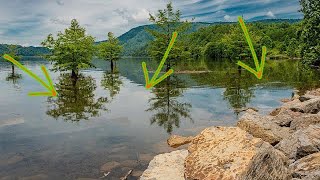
column 166, row 166
column 310, row 106
column 307, row 168
column 301, row 143
column 285, row 118
column 262, row 127
column 305, row 121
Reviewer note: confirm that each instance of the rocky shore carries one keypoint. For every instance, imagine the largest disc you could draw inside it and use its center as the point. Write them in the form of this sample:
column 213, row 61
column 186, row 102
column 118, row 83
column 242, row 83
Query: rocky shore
column 283, row 145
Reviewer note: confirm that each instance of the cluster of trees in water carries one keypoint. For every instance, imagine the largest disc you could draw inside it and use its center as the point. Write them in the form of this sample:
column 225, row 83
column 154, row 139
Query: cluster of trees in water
column 73, row 50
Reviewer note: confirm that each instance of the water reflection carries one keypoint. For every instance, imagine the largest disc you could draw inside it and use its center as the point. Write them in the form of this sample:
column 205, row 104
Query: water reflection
column 169, row 111
column 111, row 81
column 238, row 92
column 14, row 78
column 76, row 100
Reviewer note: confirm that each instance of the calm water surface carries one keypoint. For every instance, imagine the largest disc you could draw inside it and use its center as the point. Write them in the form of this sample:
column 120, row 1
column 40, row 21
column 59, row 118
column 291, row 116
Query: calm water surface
column 111, row 118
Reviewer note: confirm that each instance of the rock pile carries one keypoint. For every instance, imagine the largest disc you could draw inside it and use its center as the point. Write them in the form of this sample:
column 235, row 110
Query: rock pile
column 283, row 145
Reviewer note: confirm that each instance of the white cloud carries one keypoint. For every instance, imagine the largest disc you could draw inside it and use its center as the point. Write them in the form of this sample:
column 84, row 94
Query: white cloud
column 141, row 16
column 227, row 17
column 270, row 14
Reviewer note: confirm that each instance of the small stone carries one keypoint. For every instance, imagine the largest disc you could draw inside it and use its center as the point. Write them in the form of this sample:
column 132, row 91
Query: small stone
column 107, row 167
column 176, row 141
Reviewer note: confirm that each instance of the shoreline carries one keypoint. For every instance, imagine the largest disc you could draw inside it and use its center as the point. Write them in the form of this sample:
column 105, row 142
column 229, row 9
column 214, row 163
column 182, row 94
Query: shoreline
column 282, row 145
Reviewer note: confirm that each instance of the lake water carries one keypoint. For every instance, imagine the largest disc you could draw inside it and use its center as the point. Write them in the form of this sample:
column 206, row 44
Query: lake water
column 111, row 118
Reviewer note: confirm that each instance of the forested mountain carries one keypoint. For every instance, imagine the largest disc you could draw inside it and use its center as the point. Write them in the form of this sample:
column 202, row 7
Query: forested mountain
column 25, row 51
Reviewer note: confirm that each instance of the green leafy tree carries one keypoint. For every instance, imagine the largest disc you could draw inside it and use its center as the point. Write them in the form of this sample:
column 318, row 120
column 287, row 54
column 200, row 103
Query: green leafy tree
column 110, row 50
column 310, row 31
column 167, row 22
column 12, row 51
column 72, row 50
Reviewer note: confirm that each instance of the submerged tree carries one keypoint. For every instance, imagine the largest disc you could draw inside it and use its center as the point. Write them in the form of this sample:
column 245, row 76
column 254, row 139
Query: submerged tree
column 12, row 51
column 169, row 110
column 110, row 50
column 310, row 31
column 167, row 22
column 72, row 50
column 76, row 100
column 112, row 82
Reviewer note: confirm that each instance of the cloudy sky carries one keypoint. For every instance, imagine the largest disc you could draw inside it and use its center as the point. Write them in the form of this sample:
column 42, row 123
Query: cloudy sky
column 28, row 22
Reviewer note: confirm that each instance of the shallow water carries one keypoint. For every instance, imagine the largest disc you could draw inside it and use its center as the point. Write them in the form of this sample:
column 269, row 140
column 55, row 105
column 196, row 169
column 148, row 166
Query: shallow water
column 110, row 117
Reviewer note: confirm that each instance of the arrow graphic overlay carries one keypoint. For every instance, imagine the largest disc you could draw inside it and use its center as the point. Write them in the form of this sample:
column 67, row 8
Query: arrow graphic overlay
column 154, row 81
column 258, row 72
column 49, row 86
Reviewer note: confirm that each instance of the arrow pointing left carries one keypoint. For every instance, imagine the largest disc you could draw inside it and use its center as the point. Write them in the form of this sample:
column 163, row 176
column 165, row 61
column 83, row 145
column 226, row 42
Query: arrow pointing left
column 51, row 90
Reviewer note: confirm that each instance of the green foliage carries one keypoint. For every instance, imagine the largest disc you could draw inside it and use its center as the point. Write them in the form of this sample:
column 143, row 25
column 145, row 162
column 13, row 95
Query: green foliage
column 227, row 40
column 110, row 50
column 310, row 31
column 72, row 50
column 168, row 21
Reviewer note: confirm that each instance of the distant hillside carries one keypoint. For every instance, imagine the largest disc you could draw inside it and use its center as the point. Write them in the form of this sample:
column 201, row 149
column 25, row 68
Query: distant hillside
column 136, row 40
column 25, row 51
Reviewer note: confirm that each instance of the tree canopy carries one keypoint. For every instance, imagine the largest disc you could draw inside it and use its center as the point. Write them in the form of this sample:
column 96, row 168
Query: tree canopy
column 72, row 50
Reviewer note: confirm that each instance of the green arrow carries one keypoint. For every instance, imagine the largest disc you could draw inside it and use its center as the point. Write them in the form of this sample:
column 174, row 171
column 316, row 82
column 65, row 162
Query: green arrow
column 259, row 67
column 154, row 81
column 50, row 87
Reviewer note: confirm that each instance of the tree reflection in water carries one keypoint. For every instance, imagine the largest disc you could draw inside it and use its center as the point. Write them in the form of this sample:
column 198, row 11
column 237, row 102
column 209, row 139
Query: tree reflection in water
column 111, row 81
column 14, row 78
column 169, row 111
column 76, row 100
column 238, row 91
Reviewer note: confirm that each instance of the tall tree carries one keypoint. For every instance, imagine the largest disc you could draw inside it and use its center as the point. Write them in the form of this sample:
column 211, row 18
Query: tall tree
column 310, row 32
column 72, row 50
column 168, row 21
column 110, row 50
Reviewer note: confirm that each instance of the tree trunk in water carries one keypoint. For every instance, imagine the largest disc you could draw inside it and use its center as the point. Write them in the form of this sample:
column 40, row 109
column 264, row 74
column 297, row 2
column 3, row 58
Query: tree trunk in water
column 74, row 75
column 12, row 70
column 111, row 65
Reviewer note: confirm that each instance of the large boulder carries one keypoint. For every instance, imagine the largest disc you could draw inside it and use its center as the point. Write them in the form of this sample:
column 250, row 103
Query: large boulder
column 305, row 121
column 309, row 106
column 262, row 127
column 176, row 141
column 227, row 153
column 307, row 168
column 166, row 166
column 301, row 143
